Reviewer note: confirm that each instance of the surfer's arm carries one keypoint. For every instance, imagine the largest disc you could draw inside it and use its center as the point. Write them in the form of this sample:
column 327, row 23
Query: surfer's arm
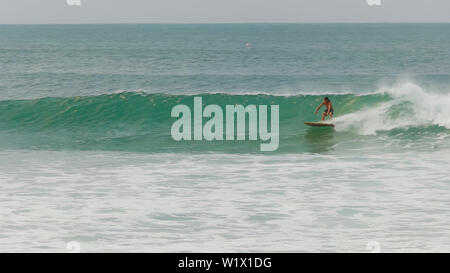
column 320, row 106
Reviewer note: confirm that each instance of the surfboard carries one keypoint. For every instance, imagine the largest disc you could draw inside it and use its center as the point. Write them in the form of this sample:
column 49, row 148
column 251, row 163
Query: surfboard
column 319, row 124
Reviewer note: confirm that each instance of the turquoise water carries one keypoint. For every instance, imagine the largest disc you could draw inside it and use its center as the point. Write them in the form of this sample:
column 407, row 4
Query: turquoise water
column 87, row 153
column 141, row 122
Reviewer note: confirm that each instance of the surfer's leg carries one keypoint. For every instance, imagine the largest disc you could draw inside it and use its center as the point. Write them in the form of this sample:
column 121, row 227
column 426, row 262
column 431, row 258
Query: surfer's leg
column 324, row 115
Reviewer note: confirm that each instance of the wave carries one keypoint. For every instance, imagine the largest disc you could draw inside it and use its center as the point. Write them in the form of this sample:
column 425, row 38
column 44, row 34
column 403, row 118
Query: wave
column 409, row 106
column 139, row 121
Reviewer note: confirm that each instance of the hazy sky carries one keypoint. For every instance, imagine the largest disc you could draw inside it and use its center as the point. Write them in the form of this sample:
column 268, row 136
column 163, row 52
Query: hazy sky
column 221, row 11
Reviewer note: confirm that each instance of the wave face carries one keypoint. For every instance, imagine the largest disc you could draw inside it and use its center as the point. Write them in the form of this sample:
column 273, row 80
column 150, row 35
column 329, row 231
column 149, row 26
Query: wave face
column 393, row 118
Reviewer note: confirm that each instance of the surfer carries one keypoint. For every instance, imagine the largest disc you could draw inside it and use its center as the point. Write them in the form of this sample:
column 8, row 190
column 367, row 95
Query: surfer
column 329, row 108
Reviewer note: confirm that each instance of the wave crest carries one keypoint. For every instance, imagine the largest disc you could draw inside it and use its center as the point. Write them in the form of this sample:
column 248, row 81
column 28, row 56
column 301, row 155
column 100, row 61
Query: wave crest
column 411, row 106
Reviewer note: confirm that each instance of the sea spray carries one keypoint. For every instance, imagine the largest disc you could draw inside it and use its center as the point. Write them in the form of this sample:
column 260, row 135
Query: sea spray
column 409, row 105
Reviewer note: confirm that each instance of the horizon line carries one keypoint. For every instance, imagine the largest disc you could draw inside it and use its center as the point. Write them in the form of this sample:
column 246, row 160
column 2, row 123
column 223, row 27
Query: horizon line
column 228, row 23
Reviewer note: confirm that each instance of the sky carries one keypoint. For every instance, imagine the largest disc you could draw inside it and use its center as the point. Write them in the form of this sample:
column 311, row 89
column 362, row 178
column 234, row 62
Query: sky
column 221, row 11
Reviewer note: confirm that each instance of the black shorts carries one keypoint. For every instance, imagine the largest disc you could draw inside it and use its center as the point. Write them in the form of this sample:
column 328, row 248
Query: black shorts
column 331, row 111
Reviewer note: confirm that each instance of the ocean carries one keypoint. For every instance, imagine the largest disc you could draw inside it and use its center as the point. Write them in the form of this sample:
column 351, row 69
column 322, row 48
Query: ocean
column 87, row 154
